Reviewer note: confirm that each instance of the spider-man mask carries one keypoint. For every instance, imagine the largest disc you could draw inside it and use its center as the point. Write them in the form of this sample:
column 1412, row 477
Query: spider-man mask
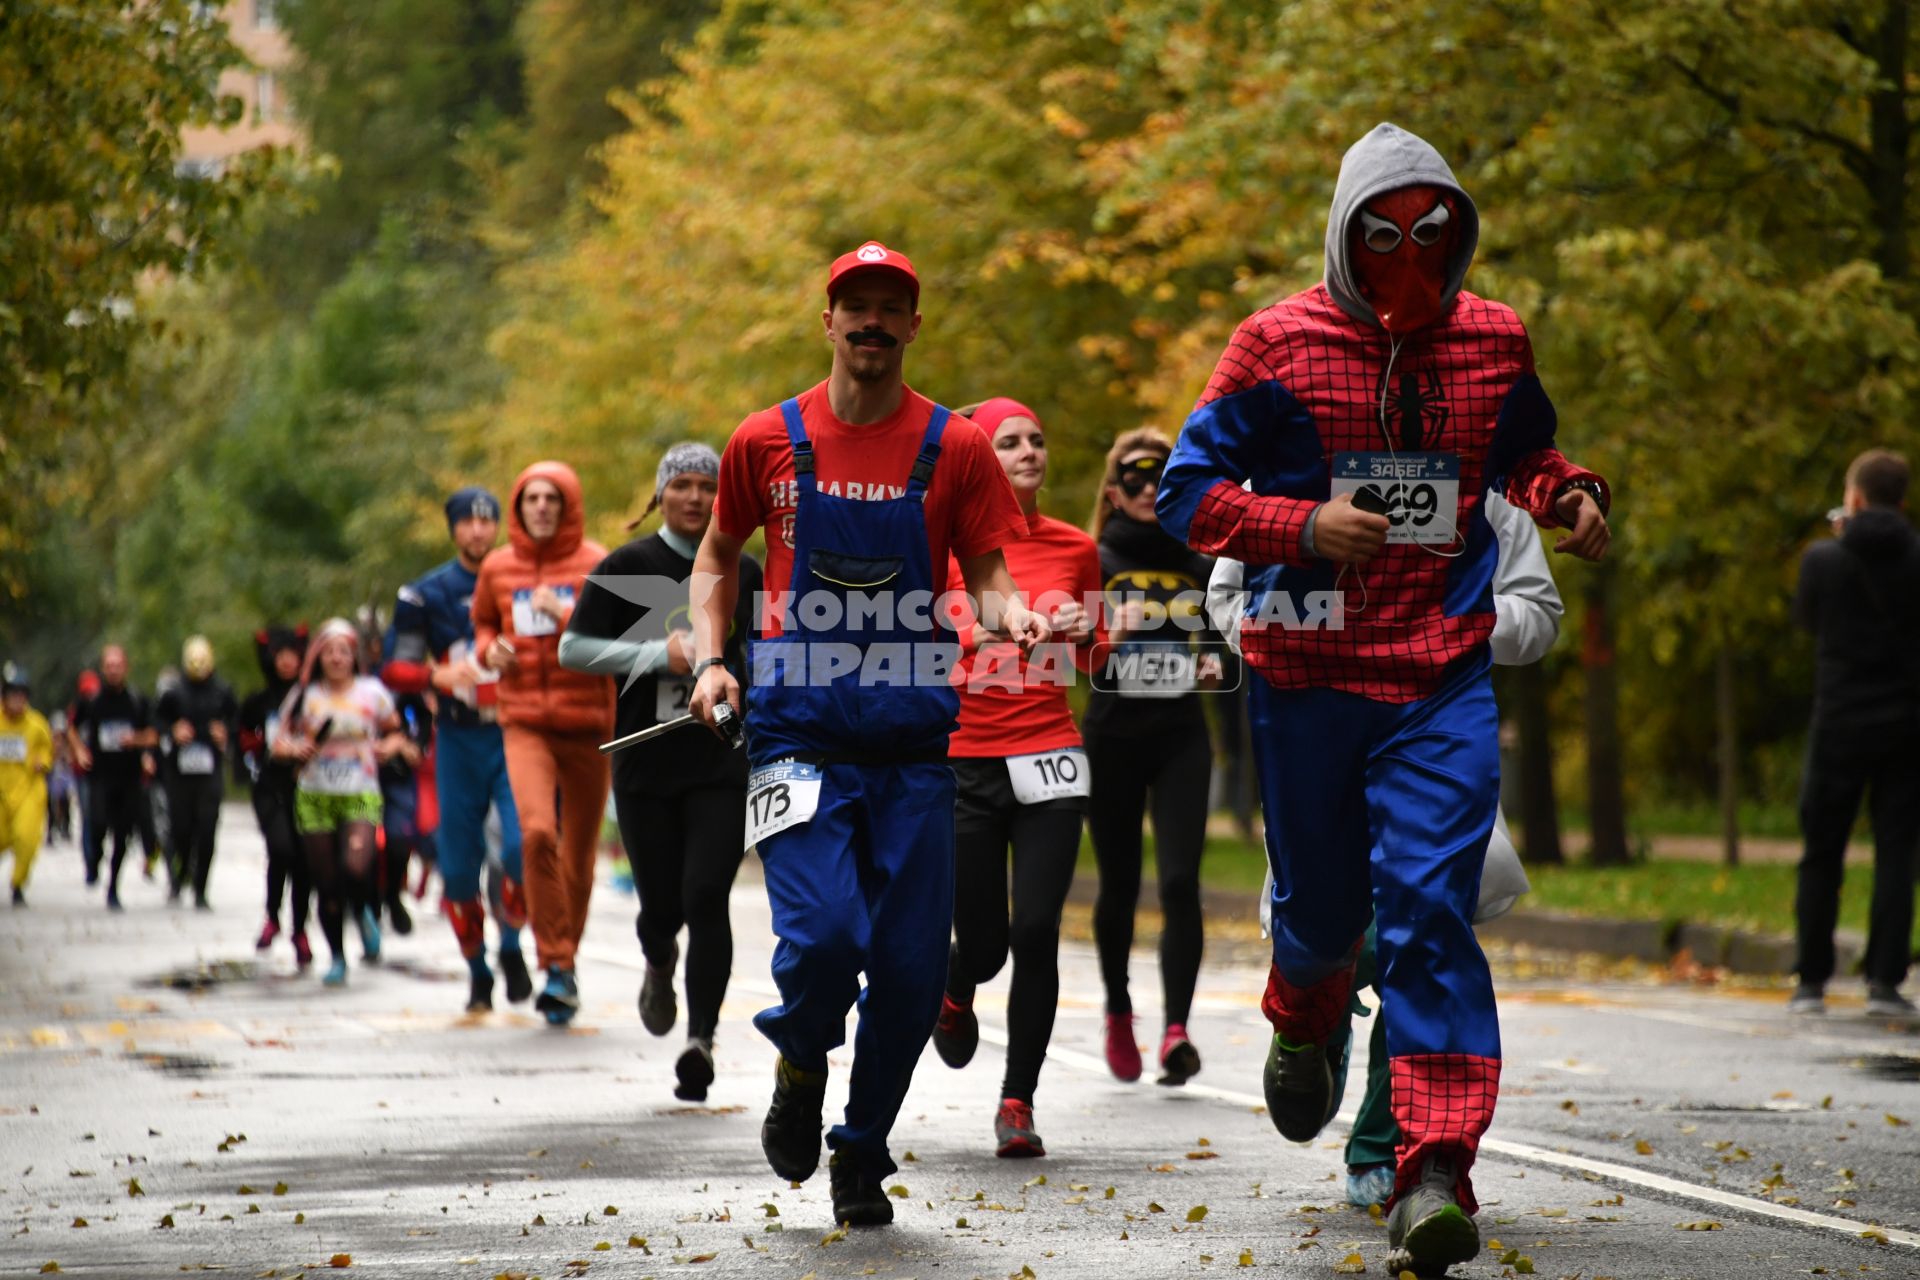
column 1402, row 243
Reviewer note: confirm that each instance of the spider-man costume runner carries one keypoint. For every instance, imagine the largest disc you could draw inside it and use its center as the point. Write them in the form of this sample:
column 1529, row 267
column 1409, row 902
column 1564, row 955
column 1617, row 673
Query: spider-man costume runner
column 1376, row 739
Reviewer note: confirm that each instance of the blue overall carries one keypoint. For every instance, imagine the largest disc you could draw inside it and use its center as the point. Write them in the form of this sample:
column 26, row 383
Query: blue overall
column 866, row 886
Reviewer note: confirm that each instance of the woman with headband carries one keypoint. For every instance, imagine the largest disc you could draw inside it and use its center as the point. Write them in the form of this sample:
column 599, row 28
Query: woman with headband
column 1022, row 782
column 681, row 800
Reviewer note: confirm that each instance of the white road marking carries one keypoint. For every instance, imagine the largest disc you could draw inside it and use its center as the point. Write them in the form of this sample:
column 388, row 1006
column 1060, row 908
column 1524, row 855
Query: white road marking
column 1522, row 1151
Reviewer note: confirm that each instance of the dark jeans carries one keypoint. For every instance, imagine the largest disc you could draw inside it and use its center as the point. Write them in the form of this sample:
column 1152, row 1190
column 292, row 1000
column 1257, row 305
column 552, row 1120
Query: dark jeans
column 1174, row 773
column 684, row 851
column 1885, row 770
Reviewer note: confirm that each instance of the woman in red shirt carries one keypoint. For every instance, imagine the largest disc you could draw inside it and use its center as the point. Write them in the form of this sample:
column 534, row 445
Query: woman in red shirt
column 1022, row 779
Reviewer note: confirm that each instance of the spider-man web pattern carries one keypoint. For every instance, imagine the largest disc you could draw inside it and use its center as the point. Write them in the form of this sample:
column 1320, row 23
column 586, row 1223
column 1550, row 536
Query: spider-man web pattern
column 1302, row 381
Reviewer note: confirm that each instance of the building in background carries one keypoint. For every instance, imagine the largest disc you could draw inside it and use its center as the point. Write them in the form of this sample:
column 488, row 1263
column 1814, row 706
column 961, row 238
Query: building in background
column 268, row 120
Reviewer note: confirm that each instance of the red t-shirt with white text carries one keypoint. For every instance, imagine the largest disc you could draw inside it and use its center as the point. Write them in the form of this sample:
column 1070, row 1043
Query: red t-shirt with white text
column 970, row 507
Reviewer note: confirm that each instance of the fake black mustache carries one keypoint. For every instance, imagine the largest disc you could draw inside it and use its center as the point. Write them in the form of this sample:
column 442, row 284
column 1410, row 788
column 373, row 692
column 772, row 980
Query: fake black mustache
column 873, row 338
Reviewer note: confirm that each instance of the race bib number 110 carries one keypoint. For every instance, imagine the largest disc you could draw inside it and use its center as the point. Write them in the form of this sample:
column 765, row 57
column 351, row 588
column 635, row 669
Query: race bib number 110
column 1049, row 775
column 783, row 794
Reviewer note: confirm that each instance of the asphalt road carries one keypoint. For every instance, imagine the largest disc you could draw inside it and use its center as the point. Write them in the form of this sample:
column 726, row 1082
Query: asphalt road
column 170, row 1104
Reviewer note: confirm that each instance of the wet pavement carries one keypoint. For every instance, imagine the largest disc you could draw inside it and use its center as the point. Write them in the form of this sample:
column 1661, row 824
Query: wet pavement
column 171, row 1103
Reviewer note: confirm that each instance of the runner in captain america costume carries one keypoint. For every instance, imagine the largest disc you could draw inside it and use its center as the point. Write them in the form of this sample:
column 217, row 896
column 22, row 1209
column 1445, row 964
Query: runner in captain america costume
column 1366, row 417
column 430, row 645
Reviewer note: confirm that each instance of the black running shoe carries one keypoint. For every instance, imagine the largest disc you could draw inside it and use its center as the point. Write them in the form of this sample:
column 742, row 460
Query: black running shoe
column 480, row 993
column 19, row 898
column 1428, row 1231
column 658, row 1008
column 513, row 966
column 858, row 1200
column 398, row 917
column 694, row 1070
column 791, row 1133
column 1299, row 1088
column 957, row 1034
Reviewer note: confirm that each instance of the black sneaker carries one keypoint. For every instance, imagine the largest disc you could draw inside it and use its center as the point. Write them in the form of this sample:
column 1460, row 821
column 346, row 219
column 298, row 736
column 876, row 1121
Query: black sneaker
column 398, row 917
column 790, row 1134
column 513, row 966
column 858, row 1201
column 19, row 898
column 480, row 993
column 1299, row 1088
column 694, row 1070
column 957, row 1034
column 1428, row 1231
column 1883, row 1001
column 658, row 1008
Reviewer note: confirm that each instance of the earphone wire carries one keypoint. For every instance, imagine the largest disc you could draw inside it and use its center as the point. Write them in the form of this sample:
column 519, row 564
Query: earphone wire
column 1386, row 381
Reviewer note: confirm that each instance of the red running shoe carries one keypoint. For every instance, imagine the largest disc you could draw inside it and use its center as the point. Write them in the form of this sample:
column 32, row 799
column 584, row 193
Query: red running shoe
column 1179, row 1060
column 1123, row 1054
column 268, row 933
column 1013, row 1131
column 302, row 950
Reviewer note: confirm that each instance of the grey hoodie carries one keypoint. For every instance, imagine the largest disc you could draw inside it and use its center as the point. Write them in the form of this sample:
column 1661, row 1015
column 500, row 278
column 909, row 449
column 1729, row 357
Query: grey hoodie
column 1387, row 159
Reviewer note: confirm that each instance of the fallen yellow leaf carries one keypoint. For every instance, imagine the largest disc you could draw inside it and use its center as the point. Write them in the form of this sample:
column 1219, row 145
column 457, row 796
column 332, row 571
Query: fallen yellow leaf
column 1197, row 1214
column 1352, row 1265
column 1643, row 1147
column 340, row 1260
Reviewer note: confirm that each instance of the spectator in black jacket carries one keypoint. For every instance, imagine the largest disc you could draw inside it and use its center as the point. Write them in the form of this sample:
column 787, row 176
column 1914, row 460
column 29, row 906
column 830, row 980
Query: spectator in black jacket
column 1859, row 595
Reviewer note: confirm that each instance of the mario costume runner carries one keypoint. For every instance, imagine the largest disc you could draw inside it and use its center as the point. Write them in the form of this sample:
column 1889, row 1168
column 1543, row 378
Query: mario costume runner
column 1366, row 418
column 430, row 646
column 863, row 487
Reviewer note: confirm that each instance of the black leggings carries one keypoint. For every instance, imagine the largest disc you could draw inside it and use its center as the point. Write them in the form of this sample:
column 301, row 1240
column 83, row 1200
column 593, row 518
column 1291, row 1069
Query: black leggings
column 684, row 851
column 341, row 864
column 286, row 860
column 1177, row 771
column 193, row 812
column 118, row 809
column 1045, row 842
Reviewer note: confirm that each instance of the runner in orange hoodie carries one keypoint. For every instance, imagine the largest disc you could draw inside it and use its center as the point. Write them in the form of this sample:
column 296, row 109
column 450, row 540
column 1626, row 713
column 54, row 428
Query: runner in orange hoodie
column 552, row 719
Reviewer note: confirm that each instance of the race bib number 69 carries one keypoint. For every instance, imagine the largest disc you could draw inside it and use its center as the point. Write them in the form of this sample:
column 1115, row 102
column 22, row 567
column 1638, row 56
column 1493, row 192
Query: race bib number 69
column 783, row 794
column 1420, row 492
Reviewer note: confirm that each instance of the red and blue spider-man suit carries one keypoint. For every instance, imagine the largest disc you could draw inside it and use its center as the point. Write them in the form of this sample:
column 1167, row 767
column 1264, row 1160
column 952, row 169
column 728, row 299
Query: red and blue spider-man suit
column 1376, row 740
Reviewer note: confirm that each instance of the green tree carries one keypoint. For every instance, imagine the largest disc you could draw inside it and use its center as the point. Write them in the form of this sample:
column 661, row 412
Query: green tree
column 92, row 101
column 577, row 53
column 789, row 137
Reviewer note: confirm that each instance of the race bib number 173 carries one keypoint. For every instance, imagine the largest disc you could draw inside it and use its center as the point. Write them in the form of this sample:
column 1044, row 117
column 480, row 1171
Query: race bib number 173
column 783, row 794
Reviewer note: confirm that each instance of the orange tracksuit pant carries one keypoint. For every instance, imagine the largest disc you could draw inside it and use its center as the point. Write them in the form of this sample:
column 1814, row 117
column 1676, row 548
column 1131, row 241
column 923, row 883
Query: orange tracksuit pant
column 560, row 784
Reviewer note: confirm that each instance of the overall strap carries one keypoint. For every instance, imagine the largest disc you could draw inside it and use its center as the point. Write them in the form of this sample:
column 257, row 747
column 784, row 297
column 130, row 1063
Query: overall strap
column 802, row 447
column 922, row 474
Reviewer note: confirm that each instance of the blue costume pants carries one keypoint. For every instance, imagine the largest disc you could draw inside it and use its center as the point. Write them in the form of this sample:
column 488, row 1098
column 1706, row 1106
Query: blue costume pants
column 1385, row 809
column 470, row 773
column 865, row 887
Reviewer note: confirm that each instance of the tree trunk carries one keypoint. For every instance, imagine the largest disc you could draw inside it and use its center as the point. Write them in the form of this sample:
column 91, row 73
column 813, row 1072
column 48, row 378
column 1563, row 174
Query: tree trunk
column 1729, row 755
column 1891, row 131
column 1539, row 814
column 1606, row 802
